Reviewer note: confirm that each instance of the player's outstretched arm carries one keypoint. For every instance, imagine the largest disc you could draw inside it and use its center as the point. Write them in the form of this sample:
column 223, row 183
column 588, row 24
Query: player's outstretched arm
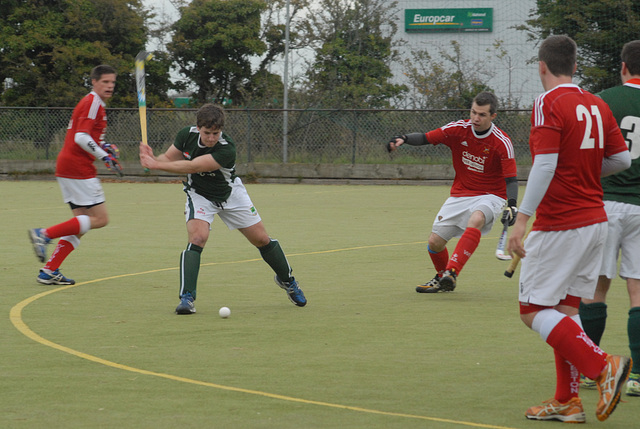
column 413, row 139
column 395, row 142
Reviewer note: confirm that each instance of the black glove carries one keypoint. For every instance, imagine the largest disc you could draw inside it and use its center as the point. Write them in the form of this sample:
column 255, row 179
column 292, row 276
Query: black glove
column 393, row 141
column 509, row 215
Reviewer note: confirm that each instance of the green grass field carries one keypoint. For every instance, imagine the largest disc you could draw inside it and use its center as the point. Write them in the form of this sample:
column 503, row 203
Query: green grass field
column 366, row 352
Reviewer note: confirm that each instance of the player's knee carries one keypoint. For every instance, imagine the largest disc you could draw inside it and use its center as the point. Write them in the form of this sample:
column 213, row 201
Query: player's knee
column 198, row 240
column 99, row 222
column 436, row 246
column 260, row 240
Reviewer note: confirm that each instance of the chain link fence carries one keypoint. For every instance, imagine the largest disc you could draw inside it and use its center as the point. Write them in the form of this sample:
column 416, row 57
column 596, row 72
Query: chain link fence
column 313, row 137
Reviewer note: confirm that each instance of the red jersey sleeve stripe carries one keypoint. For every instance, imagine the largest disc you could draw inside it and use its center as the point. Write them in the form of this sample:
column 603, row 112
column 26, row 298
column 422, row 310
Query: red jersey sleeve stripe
column 95, row 107
column 506, row 141
column 538, row 115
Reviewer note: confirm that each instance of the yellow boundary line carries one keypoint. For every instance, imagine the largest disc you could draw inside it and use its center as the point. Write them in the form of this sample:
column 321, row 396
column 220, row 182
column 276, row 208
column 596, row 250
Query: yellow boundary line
column 15, row 316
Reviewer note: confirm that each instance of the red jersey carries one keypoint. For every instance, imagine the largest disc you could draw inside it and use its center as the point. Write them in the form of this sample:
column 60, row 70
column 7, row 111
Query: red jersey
column 581, row 129
column 481, row 162
column 89, row 116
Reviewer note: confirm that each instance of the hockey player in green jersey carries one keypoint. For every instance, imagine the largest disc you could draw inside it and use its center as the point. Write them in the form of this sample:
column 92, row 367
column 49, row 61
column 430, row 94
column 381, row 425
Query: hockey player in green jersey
column 622, row 203
column 208, row 156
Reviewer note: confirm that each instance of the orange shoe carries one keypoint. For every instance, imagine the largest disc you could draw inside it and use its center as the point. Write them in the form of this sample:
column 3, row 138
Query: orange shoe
column 570, row 412
column 610, row 382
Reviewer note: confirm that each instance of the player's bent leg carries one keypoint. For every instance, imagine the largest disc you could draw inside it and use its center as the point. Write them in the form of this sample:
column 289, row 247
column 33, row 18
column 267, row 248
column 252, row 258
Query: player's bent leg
column 256, row 234
column 272, row 253
column 98, row 216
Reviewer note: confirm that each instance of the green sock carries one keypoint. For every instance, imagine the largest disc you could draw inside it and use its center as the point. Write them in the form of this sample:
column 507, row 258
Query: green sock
column 189, row 269
column 594, row 320
column 633, row 328
column 274, row 256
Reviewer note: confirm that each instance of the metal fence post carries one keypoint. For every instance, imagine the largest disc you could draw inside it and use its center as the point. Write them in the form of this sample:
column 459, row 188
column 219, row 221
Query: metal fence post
column 354, row 133
column 249, row 134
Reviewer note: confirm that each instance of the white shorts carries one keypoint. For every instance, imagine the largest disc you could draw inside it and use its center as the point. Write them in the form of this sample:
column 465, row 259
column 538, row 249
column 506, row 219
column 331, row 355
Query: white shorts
column 81, row 192
column 452, row 219
column 624, row 239
column 561, row 263
column 237, row 212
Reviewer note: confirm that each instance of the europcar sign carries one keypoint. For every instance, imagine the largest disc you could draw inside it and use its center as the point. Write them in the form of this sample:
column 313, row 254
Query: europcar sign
column 443, row 20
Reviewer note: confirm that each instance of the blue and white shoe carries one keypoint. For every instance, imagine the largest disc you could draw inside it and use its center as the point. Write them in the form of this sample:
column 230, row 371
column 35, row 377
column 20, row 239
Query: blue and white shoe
column 186, row 304
column 293, row 291
column 48, row 277
column 39, row 241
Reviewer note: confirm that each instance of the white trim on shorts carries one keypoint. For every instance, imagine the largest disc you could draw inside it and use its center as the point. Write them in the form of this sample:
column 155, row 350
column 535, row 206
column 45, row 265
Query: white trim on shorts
column 623, row 239
column 453, row 217
column 561, row 263
column 237, row 212
column 81, row 192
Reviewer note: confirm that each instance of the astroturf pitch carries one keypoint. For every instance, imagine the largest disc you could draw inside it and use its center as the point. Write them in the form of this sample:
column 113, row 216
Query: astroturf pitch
column 366, row 352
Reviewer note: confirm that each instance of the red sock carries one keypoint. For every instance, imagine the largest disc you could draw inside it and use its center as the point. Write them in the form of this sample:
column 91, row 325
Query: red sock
column 70, row 227
column 439, row 259
column 567, row 379
column 465, row 248
column 570, row 342
column 59, row 255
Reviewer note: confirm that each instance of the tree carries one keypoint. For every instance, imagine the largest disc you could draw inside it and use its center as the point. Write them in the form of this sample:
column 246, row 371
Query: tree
column 448, row 84
column 266, row 88
column 353, row 42
column 48, row 48
column 599, row 27
column 213, row 43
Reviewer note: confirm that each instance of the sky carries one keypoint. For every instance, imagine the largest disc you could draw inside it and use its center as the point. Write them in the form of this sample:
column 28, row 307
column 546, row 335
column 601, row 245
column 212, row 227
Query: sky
column 160, row 8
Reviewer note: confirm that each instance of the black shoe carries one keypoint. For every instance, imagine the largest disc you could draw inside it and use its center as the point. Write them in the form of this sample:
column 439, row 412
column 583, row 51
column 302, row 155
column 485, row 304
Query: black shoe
column 432, row 286
column 448, row 281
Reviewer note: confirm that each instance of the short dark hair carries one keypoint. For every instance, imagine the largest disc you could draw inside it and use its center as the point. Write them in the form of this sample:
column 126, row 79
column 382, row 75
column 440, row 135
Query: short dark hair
column 631, row 56
column 210, row 116
column 98, row 71
column 484, row 98
column 559, row 53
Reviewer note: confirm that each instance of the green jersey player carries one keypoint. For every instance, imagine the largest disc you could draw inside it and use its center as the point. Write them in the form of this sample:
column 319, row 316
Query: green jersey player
column 622, row 203
column 208, row 156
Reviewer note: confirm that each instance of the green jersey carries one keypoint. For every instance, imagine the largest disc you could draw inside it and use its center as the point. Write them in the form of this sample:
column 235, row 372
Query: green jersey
column 624, row 102
column 213, row 185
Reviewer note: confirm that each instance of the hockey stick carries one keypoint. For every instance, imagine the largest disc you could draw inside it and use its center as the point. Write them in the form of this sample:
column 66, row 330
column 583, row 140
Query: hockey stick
column 142, row 95
column 512, row 266
column 515, row 261
column 502, row 243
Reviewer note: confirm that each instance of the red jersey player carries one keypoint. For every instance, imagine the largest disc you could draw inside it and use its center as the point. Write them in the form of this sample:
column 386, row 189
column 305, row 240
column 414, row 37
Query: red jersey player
column 574, row 141
column 77, row 177
column 486, row 178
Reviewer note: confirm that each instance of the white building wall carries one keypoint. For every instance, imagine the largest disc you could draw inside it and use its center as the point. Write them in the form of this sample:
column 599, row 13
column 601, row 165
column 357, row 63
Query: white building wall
column 507, row 14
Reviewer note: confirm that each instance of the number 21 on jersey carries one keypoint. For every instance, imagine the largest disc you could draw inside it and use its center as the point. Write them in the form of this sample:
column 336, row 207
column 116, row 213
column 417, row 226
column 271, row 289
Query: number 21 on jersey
column 587, row 116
